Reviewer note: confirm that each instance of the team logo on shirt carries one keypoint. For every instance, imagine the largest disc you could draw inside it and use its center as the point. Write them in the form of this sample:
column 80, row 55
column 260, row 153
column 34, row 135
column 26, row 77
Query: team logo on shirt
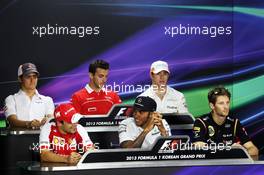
column 58, row 141
column 72, row 142
column 227, row 125
column 211, row 130
column 196, row 131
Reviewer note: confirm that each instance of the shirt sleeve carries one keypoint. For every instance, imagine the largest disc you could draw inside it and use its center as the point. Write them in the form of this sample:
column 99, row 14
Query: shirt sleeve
column 183, row 105
column 199, row 131
column 49, row 106
column 166, row 126
column 10, row 106
column 241, row 133
column 117, row 99
column 125, row 131
column 44, row 142
column 76, row 103
column 85, row 139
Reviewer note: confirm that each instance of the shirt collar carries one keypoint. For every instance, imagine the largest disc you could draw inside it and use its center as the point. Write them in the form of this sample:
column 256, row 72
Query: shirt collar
column 23, row 93
column 211, row 116
column 90, row 90
column 152, row 89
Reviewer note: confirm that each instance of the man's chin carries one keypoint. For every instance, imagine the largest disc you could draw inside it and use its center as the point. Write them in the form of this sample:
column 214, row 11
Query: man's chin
column 223, row 116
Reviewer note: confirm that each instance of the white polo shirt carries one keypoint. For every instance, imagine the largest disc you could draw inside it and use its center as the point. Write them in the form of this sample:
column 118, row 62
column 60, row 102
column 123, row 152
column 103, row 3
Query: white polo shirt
column 128, row 130
column 172, row 102
column 25, row 109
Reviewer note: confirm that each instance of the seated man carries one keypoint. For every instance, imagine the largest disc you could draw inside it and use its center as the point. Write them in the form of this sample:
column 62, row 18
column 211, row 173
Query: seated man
column 141, row 130
column 218, row 127
column 60, row 141
column 28, row 108
column 168, row 99
column 94, row 99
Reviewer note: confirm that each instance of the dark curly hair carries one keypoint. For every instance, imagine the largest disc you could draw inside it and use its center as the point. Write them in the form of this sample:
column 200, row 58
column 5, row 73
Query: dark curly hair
column 218, row 91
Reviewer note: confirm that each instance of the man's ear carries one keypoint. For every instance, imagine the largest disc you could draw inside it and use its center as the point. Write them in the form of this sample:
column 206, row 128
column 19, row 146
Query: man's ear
column 211, row 106
column 91, row 75
column 19, row 79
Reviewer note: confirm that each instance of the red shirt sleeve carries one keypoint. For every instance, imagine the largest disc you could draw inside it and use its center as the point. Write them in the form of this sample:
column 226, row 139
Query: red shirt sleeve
column 117, row 99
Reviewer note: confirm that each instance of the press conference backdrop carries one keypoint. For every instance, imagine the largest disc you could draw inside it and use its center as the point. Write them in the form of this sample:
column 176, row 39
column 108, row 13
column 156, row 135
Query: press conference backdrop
column 206, row 43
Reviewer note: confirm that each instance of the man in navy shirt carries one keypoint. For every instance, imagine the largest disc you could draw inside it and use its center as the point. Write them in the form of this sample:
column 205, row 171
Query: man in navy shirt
column 218, row 127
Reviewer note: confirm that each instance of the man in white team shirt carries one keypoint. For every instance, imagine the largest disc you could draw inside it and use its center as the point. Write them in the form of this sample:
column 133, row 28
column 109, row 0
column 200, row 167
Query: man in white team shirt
column 168, row 99
column 146, row 125
column 27, row 108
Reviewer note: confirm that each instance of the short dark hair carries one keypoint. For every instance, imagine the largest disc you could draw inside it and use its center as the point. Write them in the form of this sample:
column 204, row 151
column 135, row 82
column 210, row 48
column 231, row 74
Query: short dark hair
column 98, row 64
column 218, row 91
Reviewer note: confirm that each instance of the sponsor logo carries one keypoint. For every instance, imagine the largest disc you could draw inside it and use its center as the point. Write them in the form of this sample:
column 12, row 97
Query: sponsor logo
column 211, row 130
column 58, row 141
column 169, row 146
column 227, row 125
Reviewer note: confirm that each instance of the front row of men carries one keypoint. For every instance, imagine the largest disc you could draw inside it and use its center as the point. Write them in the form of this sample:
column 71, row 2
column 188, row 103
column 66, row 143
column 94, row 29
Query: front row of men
column 61, row 140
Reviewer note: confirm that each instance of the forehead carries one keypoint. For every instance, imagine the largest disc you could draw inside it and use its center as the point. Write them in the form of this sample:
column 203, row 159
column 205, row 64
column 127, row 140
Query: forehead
column 30, row 75
column 101, row 71
column 222, row 98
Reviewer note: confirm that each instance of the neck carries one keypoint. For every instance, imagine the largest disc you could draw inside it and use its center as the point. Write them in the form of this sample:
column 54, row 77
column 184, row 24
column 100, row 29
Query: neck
column 160, row 91
column 61, row 130
column 146, row 123
column 29, row 92
column 95, row 88
column 218, row 119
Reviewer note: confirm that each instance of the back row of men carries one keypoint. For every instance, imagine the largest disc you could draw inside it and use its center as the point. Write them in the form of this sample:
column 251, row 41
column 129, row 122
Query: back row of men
column 29, row 109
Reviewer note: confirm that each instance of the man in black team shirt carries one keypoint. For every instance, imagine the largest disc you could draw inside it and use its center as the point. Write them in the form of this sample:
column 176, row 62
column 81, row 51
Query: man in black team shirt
column 218, row 127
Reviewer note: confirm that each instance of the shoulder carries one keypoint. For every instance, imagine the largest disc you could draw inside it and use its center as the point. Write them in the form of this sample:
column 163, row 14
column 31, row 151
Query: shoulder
column 204, row 119
column 46, row 98
column 146, row 93
column 13, row 96
column 111, row 93
column 79, row 92
column 232, row 119
column 127, row 121
column 47, row 127
column 9, row 98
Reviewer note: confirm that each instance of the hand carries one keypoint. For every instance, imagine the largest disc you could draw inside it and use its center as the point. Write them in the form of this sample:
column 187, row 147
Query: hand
column 236, row 145
column 150, row 123
column 158, row 122
column 74, row 158
column 35, row 124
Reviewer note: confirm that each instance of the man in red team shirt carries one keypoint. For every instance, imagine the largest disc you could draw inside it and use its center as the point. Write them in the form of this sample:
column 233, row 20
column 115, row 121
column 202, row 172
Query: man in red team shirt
column 94, row 99
column 60, row 141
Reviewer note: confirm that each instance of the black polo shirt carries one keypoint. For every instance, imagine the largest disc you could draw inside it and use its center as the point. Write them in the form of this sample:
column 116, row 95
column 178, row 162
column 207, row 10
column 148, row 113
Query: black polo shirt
column 206, row 130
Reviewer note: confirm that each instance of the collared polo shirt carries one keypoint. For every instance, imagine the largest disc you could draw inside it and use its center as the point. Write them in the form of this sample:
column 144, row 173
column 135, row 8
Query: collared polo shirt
column 27, row 109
